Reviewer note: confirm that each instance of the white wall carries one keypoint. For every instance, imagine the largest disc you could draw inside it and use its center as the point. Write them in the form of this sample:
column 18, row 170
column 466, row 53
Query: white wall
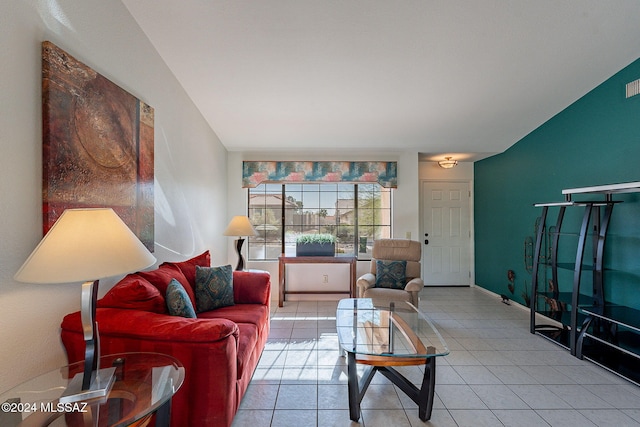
column 405, row 197
column 190, row 162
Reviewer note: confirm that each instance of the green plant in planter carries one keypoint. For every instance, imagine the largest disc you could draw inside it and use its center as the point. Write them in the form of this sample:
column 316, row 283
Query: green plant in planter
column 315, row 238
column 315, row 245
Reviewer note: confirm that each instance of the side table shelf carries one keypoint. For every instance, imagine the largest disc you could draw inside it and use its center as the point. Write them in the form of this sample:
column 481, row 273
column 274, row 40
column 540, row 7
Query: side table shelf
column 559, row 299
column 610, row 337
column 579, row 317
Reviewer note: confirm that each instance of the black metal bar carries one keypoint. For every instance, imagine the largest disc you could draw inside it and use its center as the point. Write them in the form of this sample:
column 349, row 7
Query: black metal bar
column 163, row 414
column 354, row 323
column 580, row 341
column 534, row 273
column 595, row 224
column 356, row 235
column 427, row 390
column 92, row 344
column 363, row 385
column 283, row 220
column 554, row 253
column 577, row 272
column 598, row 270
column 392, row 308
column 423, row 396
column 406, row 386
column 354, row 393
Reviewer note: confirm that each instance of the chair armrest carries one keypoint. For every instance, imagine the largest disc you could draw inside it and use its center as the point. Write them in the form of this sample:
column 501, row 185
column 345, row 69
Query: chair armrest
column 365, row 282
column 414, row 285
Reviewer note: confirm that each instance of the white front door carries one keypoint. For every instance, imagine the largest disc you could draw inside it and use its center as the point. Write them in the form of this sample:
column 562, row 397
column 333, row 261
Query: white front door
column 446, row 249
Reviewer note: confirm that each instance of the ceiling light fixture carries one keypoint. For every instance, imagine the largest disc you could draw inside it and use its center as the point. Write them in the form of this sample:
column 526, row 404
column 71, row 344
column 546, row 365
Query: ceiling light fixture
column 448, row 163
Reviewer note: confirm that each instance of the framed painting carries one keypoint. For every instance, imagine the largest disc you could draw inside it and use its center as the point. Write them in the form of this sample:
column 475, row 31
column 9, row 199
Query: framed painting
column 97, row 145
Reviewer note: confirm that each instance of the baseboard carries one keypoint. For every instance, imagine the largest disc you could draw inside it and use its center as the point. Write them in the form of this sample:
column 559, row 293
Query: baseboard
column 499, row 297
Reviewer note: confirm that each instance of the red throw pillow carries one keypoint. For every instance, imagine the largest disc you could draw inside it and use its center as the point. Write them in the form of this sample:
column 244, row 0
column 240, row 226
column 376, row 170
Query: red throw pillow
column 188, row 267
column 134, row 293
column 162, row 276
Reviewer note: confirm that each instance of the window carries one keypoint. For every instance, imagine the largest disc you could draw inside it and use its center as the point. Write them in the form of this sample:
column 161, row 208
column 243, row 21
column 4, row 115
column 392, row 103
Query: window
column 356, row 214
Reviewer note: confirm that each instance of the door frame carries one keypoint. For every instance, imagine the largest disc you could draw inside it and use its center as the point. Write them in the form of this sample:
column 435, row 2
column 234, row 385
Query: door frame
column 472, row 263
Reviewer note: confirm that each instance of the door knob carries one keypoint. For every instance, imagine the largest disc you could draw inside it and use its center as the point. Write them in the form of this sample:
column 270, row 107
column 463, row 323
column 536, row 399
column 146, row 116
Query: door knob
column 426, row 242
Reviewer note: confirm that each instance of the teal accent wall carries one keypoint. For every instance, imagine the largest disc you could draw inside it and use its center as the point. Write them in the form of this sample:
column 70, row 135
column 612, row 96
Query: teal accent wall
column 594, row 141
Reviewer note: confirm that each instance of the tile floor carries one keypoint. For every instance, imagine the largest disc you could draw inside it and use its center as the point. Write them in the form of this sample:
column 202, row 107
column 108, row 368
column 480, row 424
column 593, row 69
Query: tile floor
column 497, row 374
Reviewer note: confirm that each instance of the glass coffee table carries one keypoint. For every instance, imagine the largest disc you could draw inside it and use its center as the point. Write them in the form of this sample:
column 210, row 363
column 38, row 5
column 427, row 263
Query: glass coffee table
column 144, row 385
column 384, row 337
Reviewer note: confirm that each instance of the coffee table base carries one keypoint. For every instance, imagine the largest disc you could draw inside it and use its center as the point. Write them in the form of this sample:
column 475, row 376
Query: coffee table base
column 422, row 396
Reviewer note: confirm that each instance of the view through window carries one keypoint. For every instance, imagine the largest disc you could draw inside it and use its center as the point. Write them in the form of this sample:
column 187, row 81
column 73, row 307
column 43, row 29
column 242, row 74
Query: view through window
column 355, row 214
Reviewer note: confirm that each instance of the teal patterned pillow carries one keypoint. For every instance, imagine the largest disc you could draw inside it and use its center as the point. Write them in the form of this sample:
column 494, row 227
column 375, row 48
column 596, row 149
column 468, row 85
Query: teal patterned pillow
column 178, row 301
column 391, row 274
column 214, row 287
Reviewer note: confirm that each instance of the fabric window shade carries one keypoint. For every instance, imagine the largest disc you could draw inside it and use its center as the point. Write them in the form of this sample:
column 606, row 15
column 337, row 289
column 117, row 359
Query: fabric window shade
column 257, row 172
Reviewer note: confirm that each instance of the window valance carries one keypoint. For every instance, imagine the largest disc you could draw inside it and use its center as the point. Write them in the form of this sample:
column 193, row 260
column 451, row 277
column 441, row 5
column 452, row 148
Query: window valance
column 254, row 173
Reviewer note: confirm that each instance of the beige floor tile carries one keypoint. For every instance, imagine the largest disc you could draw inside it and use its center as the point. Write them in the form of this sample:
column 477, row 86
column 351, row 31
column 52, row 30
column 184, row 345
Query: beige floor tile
column 497, row 374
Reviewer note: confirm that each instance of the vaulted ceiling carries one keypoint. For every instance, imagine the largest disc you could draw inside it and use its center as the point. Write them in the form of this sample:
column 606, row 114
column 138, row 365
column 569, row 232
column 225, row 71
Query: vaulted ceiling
column 463, row 77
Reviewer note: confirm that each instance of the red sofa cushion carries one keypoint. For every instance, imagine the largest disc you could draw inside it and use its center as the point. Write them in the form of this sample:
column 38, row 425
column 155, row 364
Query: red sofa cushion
column 255, row 314
column 247, row 344
column 188, row 267
column 251, row 319
column 134, row 293
column 162, row 276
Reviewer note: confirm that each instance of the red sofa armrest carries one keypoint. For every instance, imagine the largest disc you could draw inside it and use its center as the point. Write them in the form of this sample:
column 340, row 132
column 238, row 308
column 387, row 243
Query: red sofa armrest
column 251, row 287
column 206, row 347
column 145, row 325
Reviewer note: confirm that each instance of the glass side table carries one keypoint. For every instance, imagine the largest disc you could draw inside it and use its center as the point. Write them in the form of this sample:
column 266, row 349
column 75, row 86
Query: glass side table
column 145, row 384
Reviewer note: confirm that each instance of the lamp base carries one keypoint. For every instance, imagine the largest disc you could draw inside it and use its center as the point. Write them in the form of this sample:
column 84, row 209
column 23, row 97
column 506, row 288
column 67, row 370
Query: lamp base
column 240, row 265
column 101, row 383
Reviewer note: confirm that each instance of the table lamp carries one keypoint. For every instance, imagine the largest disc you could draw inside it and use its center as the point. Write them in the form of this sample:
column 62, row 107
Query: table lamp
column 240, row 226
column 86, row 245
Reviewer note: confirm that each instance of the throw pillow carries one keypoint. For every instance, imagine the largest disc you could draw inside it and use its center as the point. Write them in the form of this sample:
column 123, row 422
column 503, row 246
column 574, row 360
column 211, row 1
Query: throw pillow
column 214, row 287
column 178, row 301
column 391, row 274
column 134, row 293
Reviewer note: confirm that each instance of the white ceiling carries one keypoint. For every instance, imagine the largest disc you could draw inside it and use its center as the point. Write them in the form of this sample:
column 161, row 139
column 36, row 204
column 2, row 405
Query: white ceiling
column 462, row 77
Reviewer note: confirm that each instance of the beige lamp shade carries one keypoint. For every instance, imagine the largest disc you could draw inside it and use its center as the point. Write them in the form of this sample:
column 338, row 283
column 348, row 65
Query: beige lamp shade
column 240, row 226
column 85, row 244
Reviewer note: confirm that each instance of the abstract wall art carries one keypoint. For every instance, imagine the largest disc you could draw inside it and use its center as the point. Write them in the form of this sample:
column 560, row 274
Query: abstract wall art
column 97, row 145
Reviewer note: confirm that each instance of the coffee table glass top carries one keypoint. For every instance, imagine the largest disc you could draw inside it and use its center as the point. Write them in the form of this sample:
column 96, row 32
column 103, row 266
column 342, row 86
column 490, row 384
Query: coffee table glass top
column 400, row 331
column 144, row 382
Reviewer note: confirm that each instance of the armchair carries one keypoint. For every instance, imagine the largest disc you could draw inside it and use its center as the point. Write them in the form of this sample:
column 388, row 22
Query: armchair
column 393, row 250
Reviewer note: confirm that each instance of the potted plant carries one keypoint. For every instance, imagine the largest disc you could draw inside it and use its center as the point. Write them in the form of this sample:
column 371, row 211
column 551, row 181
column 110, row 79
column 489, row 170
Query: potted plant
column 315, row 245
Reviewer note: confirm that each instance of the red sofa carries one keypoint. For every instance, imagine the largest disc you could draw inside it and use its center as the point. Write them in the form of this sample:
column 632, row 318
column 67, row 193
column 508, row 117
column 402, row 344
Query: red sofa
column 219, row 350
